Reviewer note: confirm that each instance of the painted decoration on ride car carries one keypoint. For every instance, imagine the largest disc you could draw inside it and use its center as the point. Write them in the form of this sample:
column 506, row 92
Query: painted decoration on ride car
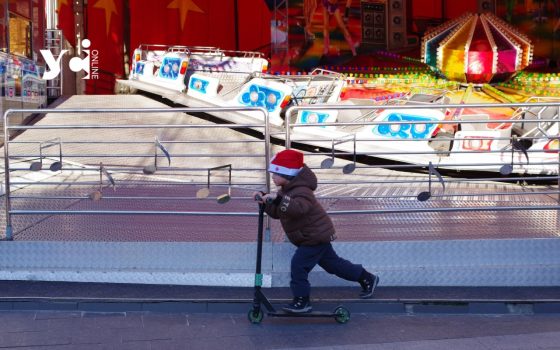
column 139, row 67
column 217, row 64
column 170, row 68
column 405, row 131
column 312, row 117
column 477, row 143
column 260, row 96
column 198, row 84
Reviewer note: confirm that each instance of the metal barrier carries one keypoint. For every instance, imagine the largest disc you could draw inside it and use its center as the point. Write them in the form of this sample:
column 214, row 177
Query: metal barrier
column 515, row 162
column 105, row 170
column 502, row 171
column 405, row 241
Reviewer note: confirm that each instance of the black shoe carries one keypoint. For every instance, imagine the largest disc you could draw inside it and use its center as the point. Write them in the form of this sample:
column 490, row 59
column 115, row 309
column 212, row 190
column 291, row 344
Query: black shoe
column 298, row 306
column 368, row 285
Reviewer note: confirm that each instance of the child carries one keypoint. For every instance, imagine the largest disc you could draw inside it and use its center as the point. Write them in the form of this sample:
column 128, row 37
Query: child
column 309, row 228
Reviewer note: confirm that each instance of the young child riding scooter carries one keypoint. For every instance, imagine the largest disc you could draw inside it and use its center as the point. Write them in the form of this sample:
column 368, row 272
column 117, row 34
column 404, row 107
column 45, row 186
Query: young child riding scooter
column 308, row 227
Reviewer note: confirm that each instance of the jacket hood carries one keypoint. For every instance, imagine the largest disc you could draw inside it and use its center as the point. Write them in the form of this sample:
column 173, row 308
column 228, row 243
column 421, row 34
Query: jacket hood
column 305, row 178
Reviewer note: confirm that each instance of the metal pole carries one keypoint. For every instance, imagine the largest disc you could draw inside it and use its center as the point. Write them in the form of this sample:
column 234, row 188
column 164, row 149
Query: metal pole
column 266, row 148
column 50, row 7
column 558, row 135
column 266, row 162
column 287, row 142
column 7, row 203
column 7, row 25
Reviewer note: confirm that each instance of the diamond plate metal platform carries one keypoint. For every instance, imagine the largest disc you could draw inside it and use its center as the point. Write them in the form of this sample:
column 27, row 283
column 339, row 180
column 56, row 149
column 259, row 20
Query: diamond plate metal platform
column 521, row 224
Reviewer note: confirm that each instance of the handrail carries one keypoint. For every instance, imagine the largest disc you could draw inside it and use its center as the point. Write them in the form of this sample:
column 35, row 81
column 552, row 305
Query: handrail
column 7, row 127
column 246, row 184
column 201, row 49
column 330, row 212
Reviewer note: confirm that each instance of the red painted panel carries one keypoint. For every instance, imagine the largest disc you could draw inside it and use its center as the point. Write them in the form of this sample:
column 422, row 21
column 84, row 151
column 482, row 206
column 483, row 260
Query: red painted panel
column 182, row 22
column 38, row 12
column 66, row 21
column 426, row 9
column 454, row 9
column 254, row 24
column 433, row 8
column 105, row 31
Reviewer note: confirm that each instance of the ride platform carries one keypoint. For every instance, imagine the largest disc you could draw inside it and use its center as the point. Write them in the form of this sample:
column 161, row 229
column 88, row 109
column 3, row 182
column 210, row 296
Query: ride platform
column 454, row 239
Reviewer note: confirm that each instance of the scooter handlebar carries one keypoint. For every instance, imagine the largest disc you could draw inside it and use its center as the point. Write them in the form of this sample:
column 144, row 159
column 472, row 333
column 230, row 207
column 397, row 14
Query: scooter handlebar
column 259, row 198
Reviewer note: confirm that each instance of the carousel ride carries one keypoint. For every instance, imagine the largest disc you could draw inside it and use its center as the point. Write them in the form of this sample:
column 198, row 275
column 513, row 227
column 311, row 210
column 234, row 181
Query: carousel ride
column 474, row 59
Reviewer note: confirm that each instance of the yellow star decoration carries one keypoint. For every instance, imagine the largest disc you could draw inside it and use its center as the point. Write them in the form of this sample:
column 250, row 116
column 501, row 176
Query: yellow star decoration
column 60, row 3
column 109, row 7
column 184, row 7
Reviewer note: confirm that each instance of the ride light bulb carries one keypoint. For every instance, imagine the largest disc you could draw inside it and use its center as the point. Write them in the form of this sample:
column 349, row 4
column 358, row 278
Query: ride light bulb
column 254, row 96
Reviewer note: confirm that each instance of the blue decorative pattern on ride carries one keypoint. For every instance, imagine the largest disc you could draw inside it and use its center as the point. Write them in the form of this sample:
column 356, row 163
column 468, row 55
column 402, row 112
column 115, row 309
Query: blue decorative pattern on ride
column 405, row 131
column 139, row 67
column 199, row 85
column 211, row 65
column 310, row 117
column 260, row 96
column 170, row 68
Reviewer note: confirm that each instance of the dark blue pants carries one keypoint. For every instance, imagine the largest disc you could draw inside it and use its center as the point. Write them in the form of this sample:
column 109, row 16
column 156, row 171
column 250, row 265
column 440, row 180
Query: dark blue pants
column 306, row 257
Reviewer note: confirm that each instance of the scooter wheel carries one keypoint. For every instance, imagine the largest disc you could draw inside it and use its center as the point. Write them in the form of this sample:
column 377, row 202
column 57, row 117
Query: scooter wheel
column 342, row 315
column 255, row 316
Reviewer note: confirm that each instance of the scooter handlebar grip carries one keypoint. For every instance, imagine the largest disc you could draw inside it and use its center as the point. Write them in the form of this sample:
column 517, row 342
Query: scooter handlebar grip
column 259, row 198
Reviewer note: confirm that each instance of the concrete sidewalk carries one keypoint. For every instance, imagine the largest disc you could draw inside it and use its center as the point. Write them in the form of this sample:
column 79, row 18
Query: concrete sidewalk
column 115, row 297
column 63, row 315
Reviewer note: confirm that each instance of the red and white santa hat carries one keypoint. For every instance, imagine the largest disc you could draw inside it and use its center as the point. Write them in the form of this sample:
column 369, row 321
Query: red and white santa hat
column 287, row 162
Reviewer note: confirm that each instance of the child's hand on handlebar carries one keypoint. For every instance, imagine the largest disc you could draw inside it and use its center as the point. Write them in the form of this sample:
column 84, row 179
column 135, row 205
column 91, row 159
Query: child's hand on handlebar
column 258, row 196
column 262, row 197
column 269, row 197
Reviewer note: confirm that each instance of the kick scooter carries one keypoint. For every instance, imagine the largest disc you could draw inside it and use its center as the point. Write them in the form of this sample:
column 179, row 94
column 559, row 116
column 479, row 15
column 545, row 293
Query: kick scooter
column 340, row 314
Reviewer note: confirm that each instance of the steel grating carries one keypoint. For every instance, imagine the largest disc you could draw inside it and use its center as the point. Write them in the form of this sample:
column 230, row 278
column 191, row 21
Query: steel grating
column 154, row 196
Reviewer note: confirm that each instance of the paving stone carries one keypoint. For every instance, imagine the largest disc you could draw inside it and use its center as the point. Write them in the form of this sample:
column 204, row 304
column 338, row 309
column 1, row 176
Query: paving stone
column 147, row 330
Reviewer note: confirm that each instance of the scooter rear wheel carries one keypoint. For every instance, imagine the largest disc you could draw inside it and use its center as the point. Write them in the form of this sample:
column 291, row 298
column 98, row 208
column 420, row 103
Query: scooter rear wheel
column 342, row 315
column 255, row 316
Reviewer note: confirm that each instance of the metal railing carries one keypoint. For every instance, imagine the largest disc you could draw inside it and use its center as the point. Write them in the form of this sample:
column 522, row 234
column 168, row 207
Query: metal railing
column 360, row 181
column 105, row 170
column 69, row 225
column 512, row 161
column 54, row 42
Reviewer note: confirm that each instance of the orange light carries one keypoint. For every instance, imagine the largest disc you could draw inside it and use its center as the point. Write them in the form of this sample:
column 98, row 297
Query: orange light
column 552, row 146
column 264, row 67
column 343, row 92
column 137, row 57
column 184, row 66
column 286, row 101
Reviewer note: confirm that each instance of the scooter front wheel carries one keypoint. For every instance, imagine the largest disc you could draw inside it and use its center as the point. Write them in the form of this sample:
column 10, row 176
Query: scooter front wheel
column 342, row 315
column 255, row 316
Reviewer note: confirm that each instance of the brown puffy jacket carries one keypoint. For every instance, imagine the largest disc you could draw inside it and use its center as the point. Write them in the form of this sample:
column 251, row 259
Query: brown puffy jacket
column 304, row 220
